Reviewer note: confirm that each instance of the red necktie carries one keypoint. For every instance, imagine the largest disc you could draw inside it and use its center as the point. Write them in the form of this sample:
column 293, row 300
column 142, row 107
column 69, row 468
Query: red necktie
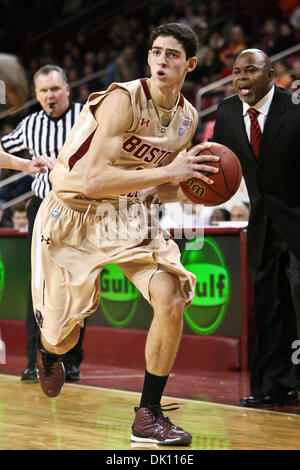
column 255, row 132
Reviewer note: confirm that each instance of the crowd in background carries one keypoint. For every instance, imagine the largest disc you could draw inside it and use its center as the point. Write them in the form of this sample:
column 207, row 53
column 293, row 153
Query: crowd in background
column 116, row 50
column 222, row 29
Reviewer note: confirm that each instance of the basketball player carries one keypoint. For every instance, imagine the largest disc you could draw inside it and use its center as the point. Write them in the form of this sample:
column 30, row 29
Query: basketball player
column 13, row 82
column 127, row 138
column 29, row 166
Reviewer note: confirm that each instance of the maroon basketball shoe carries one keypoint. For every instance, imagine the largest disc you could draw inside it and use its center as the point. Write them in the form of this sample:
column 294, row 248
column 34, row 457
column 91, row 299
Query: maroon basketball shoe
column 51, row 372
column 150, row 425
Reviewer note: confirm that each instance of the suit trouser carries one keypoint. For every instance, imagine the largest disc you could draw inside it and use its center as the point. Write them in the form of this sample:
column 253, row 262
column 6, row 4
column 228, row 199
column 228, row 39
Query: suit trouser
column 277, row 314
column 75, row 355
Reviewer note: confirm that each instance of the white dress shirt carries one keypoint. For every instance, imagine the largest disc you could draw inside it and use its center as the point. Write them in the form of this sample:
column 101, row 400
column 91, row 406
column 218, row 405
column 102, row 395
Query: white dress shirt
column 263, row 107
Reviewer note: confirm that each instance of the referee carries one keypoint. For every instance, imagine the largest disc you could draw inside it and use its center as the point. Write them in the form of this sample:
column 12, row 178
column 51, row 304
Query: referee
column 44, row 133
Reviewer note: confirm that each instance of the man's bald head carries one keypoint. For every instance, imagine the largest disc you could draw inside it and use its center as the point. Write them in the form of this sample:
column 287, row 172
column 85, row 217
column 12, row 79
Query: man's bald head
column 252, row 75
column 258, row 55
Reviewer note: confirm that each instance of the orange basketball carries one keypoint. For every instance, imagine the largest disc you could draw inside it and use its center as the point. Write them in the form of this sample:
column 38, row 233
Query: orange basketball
column 226, row 181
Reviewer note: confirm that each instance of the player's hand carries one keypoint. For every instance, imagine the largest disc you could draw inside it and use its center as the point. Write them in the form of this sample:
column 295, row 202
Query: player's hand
column 188, row 164
column 149, row 196
column 38, row 165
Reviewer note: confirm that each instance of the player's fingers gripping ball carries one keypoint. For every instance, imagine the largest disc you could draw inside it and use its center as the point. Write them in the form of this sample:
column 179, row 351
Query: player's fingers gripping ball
column 226, row 181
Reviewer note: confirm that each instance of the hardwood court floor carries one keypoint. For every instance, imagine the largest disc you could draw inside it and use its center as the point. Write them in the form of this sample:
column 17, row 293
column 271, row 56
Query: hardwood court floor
column 92, row 418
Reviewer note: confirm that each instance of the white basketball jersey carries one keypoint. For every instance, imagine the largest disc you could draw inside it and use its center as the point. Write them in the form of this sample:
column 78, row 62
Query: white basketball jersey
column 146, row 144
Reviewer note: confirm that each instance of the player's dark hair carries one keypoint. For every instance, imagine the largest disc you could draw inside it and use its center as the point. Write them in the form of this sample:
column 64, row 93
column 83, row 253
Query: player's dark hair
column 183, row 33
column 46, row 69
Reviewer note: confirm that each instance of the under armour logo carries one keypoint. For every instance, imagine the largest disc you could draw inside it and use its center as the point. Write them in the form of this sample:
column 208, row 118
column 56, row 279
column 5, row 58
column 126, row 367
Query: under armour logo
column 145, row 122
column 47, row 240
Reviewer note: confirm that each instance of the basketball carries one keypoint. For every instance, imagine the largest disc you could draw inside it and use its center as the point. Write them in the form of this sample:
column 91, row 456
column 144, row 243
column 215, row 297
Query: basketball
column 226, row 181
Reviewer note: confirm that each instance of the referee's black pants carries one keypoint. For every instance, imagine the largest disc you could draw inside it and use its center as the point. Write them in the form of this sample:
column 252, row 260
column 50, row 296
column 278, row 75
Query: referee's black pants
column 75, row 355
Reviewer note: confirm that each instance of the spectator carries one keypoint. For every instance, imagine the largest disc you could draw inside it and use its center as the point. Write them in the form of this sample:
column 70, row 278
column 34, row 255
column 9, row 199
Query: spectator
column 67, row 46
column 219, row 215
column 268, row 34
column 296, row 69
column 6, row 129
column 82, row 42
column 110, row 69
column 285, row 39
column 73, row 75
column 47, row 53
column 228, row 61
column 75, row 53
column 211, row 65
column 282, row 77
column 92, row 83
column 240, row 212
column 216, row 41
column 215, row 10
column 238, row 39
column 101, row 60
column 295, row 19
column 127, row 68
column 90, row 60
column 67, row 63
column 19, row 217
column 83, row 93
column 237, row 42
column 188, row 18
column 200, row 16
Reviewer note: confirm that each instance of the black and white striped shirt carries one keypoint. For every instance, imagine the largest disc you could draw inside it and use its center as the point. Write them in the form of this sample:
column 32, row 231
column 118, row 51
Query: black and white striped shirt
column 41, row 135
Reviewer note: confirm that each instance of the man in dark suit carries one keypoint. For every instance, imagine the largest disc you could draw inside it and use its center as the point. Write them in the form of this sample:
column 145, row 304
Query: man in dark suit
column 261, row 124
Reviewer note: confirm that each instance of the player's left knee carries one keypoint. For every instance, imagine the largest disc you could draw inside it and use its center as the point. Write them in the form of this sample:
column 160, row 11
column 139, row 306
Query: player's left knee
column 177, row 304
column 167, row 298
column 171, row 308
column 176, row 310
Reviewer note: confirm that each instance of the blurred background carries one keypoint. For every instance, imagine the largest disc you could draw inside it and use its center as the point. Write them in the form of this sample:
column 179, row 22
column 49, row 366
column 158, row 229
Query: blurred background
column 98, row 42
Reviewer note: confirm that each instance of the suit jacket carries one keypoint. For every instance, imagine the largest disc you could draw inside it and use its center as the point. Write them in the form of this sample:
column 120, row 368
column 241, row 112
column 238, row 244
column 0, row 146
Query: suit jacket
column 273, row 179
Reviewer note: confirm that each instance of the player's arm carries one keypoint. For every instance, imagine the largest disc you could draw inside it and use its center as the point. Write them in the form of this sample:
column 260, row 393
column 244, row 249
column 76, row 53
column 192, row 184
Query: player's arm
column 102, row 178
column 168, row 192
column 171, row 192
column 29, row 166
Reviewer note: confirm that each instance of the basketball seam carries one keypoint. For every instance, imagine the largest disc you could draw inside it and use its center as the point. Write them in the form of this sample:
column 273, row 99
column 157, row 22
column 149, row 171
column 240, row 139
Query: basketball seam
column 224, row 178
column 237, row 165
column 230, row 192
